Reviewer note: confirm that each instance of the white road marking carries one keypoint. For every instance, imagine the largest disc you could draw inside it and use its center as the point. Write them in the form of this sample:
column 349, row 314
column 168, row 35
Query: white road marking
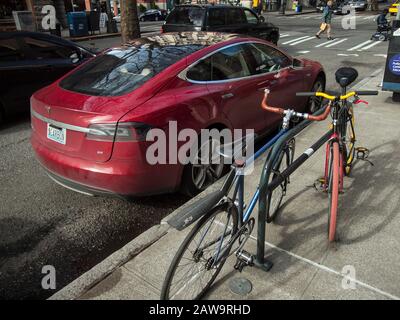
column 284, row 35
column 294, row 40
column 327, row 269
column 335, row 43
column 359, row 45
column 325, row 43
column 380, row 55
column 309, row 17
column 370, row 46
column 368, row 17
column 303, row 52
column 348, row 54
column 304, row 40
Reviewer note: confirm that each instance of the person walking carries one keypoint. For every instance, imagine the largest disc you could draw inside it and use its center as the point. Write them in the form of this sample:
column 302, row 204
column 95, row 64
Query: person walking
column 326, row 21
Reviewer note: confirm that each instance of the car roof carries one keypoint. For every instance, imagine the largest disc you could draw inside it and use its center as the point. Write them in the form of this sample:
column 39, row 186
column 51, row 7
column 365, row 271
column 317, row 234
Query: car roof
column 187, row 38
column 208, row 5
column 40, row 35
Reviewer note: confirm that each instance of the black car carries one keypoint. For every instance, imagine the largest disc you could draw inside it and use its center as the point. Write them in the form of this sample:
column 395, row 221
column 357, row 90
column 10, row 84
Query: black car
column 153, row 15
column 30, row 61
column 220, row 18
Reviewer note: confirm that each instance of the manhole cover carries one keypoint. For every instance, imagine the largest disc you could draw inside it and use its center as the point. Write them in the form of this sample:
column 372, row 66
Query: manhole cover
column 240, row 286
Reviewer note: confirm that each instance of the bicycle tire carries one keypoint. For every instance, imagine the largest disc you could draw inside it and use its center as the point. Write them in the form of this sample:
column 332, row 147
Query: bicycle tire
column 333, row 189
column 274, row 198
column 225, row 208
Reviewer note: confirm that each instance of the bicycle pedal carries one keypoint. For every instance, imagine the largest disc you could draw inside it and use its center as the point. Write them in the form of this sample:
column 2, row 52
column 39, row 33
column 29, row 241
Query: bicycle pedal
column 320, row 184
column 244, row 259
column 362, row 154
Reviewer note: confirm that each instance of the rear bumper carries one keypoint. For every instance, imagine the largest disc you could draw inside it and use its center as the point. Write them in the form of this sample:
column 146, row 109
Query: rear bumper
column 115, row 177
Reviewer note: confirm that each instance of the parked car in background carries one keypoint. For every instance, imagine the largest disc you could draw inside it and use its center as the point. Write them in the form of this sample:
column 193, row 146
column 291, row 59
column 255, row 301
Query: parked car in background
column 220, row 18
column 153, row 15
column 30, row 61
column 341, row 8
column 89, row 128
column 358, row 5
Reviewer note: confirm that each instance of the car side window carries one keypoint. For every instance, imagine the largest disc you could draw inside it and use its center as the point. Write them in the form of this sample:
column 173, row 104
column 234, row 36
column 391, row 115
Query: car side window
column 267, row 59
column 9, row 51
column 235, row 16
column 216, row 17
column 250, row 17
column 201, row 71
column 229, row 63
column 41, row 49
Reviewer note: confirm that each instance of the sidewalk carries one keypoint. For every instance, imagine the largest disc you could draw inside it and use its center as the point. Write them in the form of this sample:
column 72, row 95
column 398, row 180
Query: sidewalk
column 304, row 266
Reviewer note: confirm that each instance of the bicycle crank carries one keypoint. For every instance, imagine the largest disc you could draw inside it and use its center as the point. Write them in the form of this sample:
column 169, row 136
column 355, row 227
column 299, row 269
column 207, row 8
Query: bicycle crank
column 244, row 258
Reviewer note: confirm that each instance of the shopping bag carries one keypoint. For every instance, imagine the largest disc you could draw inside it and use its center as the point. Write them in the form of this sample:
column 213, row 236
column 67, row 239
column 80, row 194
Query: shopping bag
column 323, row 26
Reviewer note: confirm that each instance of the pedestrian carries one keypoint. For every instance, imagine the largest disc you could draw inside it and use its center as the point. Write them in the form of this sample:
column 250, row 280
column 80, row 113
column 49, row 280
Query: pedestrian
column 326, row 21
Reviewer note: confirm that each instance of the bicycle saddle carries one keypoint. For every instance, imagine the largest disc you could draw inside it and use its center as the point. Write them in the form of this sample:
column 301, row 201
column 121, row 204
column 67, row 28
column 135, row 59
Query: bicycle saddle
column 345, row 76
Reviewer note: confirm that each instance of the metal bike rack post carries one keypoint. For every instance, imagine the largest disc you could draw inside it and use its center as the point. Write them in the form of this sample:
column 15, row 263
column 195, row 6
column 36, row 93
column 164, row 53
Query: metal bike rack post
column 260, row 260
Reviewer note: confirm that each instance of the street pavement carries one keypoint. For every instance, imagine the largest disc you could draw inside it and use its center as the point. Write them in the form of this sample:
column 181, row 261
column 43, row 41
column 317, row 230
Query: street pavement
column 363, row 264
column 42, row 223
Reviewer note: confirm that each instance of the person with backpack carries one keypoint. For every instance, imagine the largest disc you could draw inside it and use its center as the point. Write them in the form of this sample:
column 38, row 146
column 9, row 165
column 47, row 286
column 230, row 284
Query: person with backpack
column 326, row 21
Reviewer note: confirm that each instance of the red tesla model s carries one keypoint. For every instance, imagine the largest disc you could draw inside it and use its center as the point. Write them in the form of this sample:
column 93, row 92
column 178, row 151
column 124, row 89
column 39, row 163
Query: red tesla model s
column 89, row 127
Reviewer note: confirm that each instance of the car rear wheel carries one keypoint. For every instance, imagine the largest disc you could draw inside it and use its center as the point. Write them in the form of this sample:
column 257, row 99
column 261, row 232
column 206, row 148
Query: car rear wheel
column 315, row 103
column 156, row 18
column 207, row 168
column 274, row 38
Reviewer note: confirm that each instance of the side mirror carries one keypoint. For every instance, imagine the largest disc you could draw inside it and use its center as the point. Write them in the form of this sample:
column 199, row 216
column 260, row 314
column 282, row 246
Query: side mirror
column 297, row 63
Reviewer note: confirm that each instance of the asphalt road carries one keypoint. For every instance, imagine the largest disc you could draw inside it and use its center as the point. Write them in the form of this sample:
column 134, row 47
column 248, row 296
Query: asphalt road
column 42, row 223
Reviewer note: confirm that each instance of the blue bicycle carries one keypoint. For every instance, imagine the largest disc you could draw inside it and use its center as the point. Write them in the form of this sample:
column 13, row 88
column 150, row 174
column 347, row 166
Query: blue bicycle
column 225, row 221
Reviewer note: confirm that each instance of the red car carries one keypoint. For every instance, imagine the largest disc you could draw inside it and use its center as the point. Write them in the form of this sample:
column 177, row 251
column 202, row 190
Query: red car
column 89, row 127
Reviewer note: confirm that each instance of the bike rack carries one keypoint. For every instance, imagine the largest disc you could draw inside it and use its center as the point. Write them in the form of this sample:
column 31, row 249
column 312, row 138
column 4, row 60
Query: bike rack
column 260, row 260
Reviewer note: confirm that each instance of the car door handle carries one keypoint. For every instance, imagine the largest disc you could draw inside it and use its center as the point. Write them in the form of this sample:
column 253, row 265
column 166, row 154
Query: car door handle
column 267, row 85
column 227, row 95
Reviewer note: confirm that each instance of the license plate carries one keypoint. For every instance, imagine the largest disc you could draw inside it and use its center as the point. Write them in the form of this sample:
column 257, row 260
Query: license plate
column 56, row 134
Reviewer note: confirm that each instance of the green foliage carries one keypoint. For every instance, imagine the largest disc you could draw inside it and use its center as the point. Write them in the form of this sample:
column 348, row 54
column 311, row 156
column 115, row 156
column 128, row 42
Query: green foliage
column 142, row 8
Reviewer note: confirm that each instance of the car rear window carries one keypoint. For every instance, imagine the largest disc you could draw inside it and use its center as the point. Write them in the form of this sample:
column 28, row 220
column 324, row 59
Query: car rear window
column 186, row 15
column 119, row 71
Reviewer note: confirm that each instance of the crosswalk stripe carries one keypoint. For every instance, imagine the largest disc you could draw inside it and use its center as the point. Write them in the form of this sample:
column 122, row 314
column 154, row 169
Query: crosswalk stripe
column 284, row 35
column 294, row 40
column 369, row 46
column 368, row 17
column 300, row 41
column 323, row 44
column 359, row 45
column 335, row 43
column 309, row 17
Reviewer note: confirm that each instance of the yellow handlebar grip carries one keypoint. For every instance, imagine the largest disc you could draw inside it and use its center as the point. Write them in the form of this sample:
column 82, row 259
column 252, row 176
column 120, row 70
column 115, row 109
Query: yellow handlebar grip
column 329, row 97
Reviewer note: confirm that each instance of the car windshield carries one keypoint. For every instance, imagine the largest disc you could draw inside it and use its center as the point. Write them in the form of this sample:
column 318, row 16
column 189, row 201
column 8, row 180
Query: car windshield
column 119, row 71
column 186, row 15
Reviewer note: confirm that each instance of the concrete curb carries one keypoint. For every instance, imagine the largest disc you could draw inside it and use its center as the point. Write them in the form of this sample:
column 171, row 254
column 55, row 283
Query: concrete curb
column 100, row 271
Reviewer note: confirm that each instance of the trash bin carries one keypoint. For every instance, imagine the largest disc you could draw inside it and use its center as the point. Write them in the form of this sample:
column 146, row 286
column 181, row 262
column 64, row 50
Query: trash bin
column 299, row 8
column 77, row 23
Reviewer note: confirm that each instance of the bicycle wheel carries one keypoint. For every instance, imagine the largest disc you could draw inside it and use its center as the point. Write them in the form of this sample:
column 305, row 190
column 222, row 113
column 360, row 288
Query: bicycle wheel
column 348, row 137
column 333, row 188
column 274, row 197
column 201, row 255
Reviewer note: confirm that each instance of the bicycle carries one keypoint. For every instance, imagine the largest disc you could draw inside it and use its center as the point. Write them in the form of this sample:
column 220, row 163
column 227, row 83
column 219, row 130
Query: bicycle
column 224, row 219
column 340, row 148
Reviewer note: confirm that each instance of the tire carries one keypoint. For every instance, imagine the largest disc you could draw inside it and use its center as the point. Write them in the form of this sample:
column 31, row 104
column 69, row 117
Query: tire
column 231, row 214
column 192, row 183
column 315, row 103
column 274, row 198
column 156, row 18
column 274, row 38
column 333, row 189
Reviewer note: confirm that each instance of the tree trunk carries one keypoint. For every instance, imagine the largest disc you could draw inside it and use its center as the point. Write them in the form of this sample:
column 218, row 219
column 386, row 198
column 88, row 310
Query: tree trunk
column 129, row 20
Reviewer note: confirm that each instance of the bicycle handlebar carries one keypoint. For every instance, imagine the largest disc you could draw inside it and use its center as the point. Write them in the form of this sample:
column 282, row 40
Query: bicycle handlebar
column 336, row 96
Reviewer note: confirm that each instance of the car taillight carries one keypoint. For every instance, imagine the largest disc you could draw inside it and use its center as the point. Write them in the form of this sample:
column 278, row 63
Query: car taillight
column 125, row 131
